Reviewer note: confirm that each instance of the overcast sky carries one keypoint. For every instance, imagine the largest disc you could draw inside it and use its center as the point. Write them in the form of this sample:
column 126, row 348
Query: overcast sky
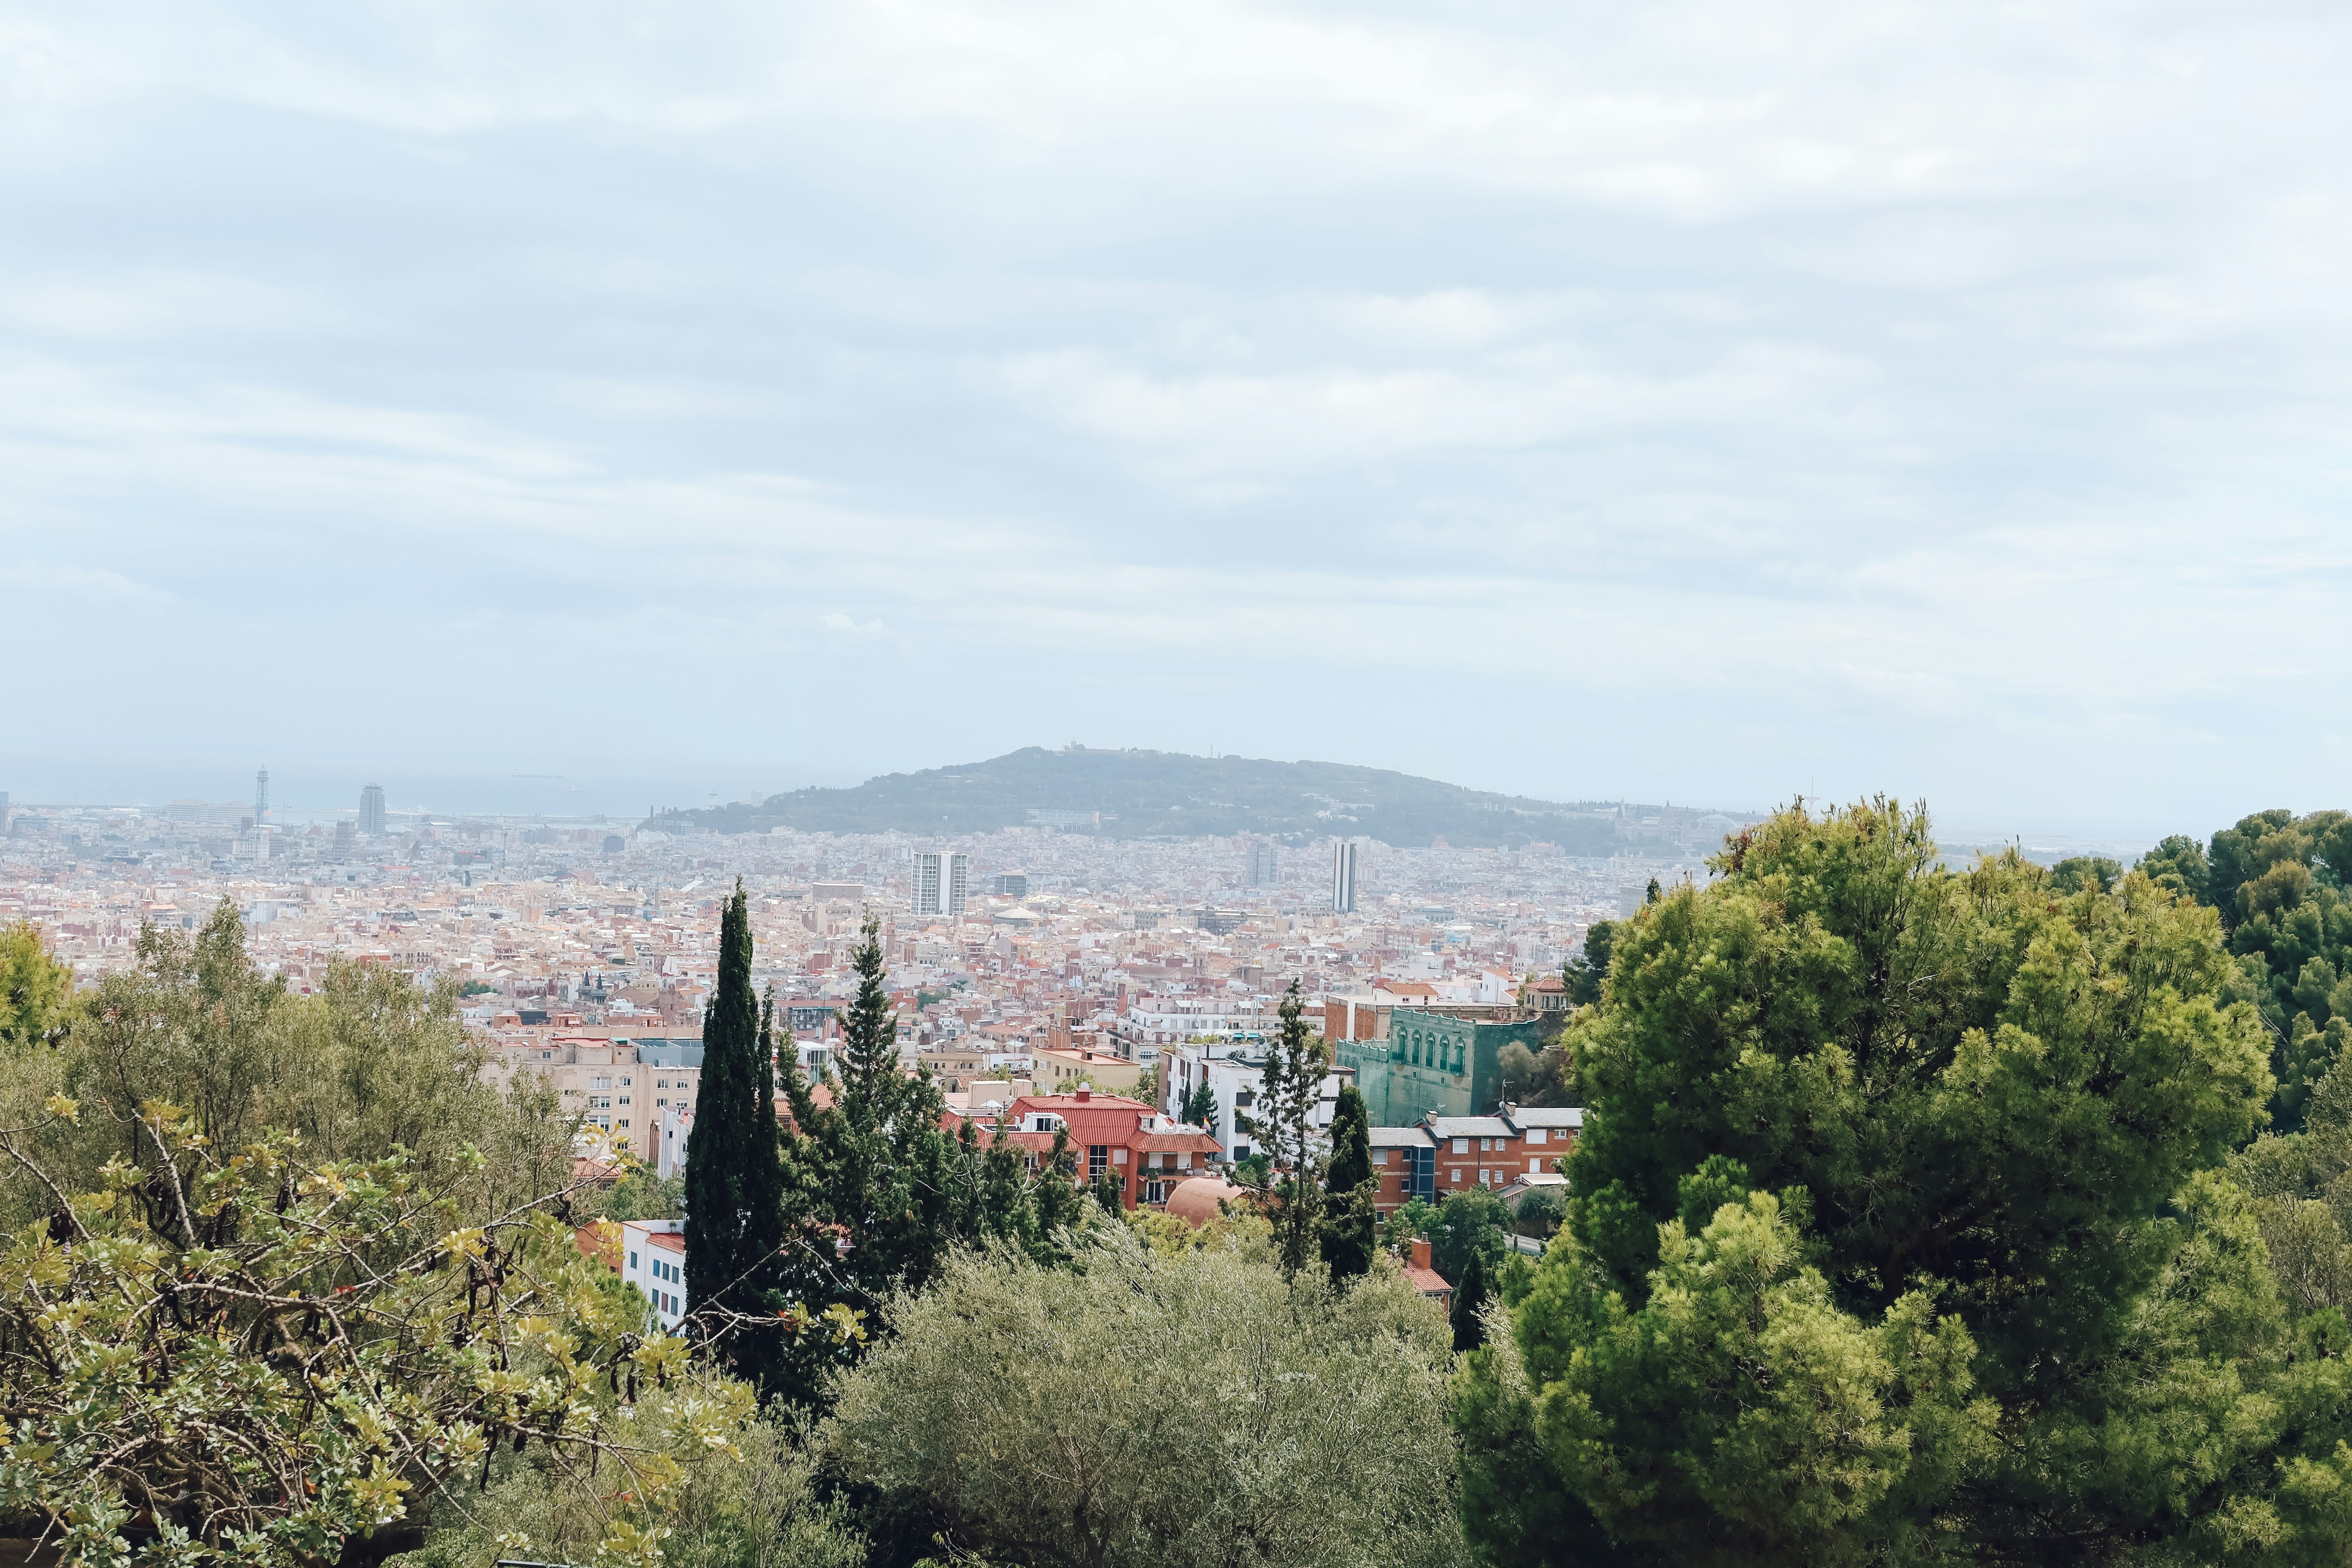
column 1706, row 401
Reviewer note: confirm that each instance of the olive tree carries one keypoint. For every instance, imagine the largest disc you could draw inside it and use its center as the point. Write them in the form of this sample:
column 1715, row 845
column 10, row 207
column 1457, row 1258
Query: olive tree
column 1138, row 1407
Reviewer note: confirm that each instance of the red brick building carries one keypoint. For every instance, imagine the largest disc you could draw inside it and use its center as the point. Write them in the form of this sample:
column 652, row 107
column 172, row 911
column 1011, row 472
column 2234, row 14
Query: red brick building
column 1145, row 1151
column 1451, row 1153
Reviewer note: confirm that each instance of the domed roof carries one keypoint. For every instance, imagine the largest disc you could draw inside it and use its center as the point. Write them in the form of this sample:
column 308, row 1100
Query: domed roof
column 1196, row 1201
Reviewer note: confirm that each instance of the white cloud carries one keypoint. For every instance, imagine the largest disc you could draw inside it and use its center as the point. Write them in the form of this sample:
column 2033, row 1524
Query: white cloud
column 1684, row 398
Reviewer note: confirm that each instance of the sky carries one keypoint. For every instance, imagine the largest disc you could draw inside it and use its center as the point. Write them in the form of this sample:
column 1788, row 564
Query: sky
column 1710, row 401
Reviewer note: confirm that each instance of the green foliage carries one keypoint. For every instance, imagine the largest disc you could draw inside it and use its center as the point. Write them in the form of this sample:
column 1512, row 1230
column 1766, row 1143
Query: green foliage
column 1268, row 1423
column 372, row 1064
column 286, row 1276
column 642, row 1194
column 2179, row 866
column 1470, row 1224
column 1470, row 1297
column 1539, row 1213
column 1893, row 1230
column 1286, row 1171
column 37, row 1000
column 876, row 1194
column 734, row 1172
column 753, row 1503
column 2095, row 872
column 1586, row 971
column 1351, row 1214
column 1411, row 1219
column 2277, row 882
column 477, row 988
column 1199, row 1107
column 268, row 1356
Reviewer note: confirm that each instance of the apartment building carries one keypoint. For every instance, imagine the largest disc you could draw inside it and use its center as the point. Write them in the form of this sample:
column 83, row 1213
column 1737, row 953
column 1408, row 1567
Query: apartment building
column 653, row 1258
column 1145, row 1153
column 1443, row 1154
column 1054, row 1070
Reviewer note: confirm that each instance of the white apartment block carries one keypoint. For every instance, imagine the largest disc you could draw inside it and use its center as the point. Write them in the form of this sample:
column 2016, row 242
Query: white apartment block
column 653, row 1258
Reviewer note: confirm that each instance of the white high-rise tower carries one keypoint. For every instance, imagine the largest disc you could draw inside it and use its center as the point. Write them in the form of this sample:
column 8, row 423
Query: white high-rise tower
column 1343, row 876
column 940, row 882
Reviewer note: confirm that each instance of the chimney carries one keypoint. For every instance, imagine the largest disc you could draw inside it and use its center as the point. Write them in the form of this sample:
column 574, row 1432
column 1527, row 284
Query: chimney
column 1420, row 1252
column 1085, row 1095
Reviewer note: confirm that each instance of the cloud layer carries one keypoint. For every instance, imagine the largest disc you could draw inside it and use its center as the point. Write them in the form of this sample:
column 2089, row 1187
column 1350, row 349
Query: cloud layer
column 1697, row 400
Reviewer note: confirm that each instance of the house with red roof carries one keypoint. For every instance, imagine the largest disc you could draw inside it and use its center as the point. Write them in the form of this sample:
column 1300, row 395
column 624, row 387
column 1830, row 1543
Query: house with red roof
column 1144, row 1151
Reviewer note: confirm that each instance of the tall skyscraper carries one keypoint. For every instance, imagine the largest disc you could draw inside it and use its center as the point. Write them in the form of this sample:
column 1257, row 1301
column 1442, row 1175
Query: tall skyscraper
column 1263, row 869
column 261, row 798
column 372, row 810
column 941, row 878
column 1343, row 876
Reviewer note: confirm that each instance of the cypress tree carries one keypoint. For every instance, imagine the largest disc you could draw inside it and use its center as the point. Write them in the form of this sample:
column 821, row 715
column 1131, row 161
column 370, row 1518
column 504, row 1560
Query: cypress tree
column 1352, row 1217
column 733, row 1175
column 1469, row 1299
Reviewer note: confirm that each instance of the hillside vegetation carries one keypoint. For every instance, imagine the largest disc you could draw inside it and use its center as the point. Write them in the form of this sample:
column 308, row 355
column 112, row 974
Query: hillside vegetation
column 1167, row 793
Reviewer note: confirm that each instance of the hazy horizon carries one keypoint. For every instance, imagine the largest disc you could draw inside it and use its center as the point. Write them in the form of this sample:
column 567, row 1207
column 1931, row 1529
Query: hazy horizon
column 305, row 794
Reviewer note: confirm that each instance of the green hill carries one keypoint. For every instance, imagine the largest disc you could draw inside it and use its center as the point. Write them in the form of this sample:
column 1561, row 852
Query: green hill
column 1138, row 794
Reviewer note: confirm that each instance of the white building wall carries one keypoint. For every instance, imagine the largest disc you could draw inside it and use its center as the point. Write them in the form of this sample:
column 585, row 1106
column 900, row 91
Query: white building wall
column 657, row 1271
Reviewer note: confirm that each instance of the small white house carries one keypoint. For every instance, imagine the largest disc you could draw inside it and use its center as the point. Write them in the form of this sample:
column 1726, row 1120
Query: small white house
column 653, row 1258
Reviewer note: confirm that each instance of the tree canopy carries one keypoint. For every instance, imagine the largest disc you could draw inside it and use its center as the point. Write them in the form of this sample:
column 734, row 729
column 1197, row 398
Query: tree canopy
column 1168, row 1409
column 2277, row 882
column 1896, row 1229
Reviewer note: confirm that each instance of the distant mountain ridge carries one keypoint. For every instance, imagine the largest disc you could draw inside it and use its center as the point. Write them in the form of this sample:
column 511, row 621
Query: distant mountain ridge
column 1143, row 794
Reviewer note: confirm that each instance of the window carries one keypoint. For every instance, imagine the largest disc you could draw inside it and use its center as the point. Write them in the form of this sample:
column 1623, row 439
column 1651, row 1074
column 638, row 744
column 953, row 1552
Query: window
column 1462, row 1145
column 625, row 1099
column 600, row 1103
column 601, row 1083
column 1098, row 1160
column 1534, row 1134
column 1535, row 1167
column 1457, row 1175
column 661, row 1083
column 1380, row 1156
column 633, row 1260
column 659, row 1103
column 625, row 1083
column 1155, row 1192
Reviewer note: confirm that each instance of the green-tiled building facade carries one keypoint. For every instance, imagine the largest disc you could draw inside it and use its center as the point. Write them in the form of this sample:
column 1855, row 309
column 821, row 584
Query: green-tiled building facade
column 1431, row 1065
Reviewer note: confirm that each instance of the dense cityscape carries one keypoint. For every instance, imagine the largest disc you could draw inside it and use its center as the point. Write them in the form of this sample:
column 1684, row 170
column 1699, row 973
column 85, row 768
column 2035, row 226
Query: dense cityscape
column 1046, row 948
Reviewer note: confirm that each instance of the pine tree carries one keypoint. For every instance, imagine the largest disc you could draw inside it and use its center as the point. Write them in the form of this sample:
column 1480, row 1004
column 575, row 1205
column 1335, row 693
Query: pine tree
column 875, row 1191
column 1349, row 1228
column 734, row 1177
column 1290, row 1190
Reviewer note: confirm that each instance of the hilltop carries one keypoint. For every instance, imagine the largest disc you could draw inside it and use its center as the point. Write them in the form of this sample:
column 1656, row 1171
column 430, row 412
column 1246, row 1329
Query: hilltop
column 1142, row 794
